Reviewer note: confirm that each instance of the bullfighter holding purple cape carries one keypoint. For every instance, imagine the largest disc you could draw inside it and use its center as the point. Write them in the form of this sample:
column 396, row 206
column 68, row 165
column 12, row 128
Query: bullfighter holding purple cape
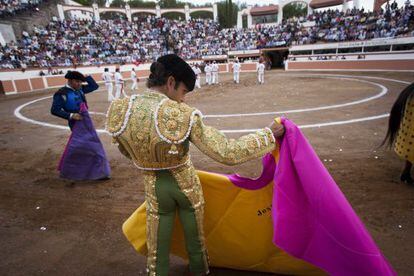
column 84, row 157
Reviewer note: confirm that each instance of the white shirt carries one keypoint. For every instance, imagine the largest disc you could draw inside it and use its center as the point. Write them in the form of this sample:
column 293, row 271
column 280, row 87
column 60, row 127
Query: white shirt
column 118, row 78
column 107, row 77
column 197, row 71
column 133, row 75
column 261, row 68
column 207, row 69
column 215, row 67
column 236, row 67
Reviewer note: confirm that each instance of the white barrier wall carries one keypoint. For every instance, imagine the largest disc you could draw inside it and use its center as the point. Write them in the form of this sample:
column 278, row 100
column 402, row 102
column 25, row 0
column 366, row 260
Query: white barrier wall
column 387, row 61
column 13, row 81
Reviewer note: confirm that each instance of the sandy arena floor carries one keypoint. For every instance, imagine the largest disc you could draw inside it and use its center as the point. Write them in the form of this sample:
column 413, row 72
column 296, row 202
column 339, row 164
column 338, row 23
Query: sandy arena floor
column 344, row 118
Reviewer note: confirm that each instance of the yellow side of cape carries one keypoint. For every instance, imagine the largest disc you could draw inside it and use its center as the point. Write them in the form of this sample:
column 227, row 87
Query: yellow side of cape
column 238, row 230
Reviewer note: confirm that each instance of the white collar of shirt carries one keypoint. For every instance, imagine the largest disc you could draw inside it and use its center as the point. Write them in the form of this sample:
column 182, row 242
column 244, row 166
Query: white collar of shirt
column 70, row 87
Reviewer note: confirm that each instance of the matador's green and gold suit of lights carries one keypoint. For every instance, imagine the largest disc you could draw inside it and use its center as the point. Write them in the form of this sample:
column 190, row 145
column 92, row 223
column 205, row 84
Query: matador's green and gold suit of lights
column 155, row 132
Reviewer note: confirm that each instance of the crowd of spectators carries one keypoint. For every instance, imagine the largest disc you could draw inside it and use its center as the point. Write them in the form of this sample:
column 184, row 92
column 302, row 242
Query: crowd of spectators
column 337, row 26
column 10, row 8
column 82, row 42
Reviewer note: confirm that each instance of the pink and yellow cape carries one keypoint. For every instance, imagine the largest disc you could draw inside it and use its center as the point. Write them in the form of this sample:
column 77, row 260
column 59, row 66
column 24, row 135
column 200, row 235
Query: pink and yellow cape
column 293, row 219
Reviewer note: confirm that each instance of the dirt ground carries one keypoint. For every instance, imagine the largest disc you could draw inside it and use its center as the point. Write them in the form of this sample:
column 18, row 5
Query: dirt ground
column 83, row 220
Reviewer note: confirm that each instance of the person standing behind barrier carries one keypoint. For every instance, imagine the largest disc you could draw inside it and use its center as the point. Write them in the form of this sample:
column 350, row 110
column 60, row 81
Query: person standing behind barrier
column 197, row 72
column 119, row 84
column 400, row 133
column 214, row 69
column 236, row 71
column 260, row 72
column 207, row 69
column 107, row 78
column 134, row 80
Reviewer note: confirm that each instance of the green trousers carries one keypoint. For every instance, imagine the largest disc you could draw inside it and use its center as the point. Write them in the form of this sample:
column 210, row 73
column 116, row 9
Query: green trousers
column 170, row 200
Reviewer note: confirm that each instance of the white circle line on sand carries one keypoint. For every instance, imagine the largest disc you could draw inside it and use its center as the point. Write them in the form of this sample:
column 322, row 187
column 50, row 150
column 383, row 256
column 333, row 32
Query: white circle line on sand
column 17, row 111
column 97, row 113
column 18, row 114
column 384, row 91
column 363, row 77
column 317, row 125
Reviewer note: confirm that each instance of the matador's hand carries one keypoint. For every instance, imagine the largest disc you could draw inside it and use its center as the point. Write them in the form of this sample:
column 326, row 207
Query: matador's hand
column 77, row 117
column 277, row 129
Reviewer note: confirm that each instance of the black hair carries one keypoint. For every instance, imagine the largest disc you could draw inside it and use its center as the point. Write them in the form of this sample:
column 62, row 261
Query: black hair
column 171, row 65
column 106, row 69
column 396, row 114
column 117, row 70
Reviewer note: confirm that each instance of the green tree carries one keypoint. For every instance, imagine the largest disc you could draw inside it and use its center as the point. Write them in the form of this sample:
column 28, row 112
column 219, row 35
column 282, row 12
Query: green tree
column 227, row 13
column 230, row 14
column 295, row 9
column 100, row 3
column 174, row 15
column 112, row 16
column 141, row 4
column 118, row 3
column 171, row 4
column 202, row 14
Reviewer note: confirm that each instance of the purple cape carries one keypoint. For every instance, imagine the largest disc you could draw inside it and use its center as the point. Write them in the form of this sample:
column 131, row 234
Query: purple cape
column 312, row 220
column 84, row 157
